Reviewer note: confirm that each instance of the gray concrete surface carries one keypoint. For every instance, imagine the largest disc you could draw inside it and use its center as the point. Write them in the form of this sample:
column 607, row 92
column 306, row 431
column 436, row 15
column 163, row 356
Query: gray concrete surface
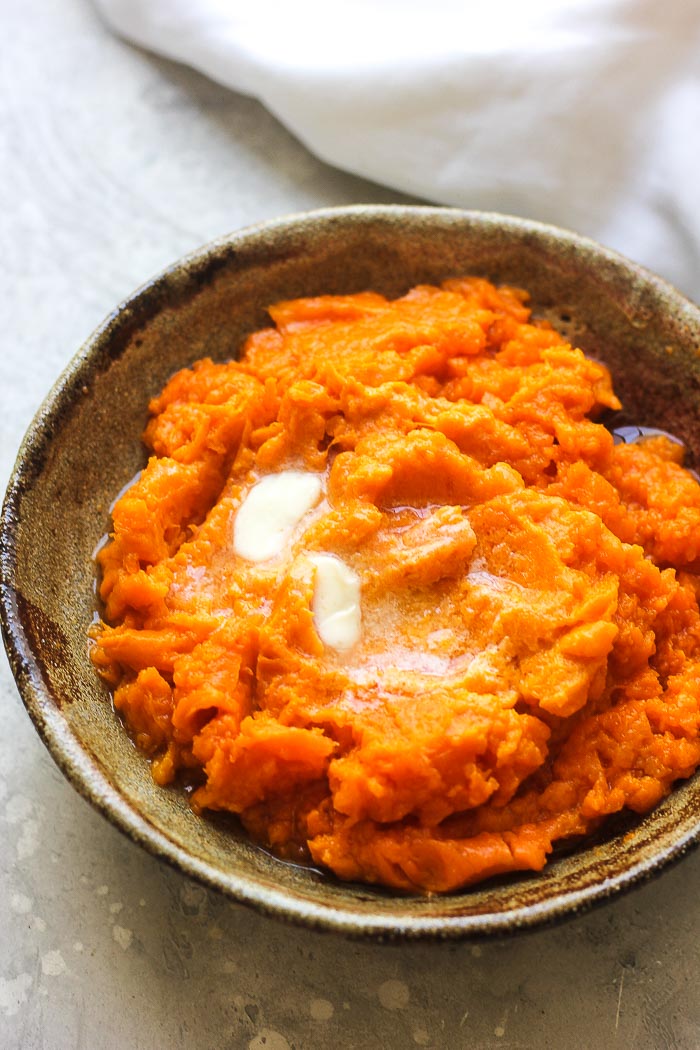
column 112, row 164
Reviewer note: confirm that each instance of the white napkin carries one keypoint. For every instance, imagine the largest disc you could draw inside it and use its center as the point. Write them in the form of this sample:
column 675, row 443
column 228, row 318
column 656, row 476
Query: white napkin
column 584, row 113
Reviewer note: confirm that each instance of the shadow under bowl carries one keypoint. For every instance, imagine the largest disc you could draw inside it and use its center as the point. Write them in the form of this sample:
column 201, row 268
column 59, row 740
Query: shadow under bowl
column 85, row 444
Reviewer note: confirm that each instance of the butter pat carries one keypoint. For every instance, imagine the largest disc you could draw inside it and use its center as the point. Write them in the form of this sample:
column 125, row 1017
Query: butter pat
column 336, row 602
column 271, row 511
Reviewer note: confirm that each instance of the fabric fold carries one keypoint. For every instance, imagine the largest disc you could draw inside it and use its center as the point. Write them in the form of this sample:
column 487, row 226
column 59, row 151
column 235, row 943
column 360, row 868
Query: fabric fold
column 586, row 115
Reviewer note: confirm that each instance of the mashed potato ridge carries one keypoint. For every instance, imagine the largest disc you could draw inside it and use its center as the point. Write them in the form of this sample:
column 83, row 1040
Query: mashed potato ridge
column 527, row 655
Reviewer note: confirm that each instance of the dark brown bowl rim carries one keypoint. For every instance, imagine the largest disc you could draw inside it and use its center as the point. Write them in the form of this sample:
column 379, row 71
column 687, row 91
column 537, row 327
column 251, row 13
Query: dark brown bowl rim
column 85, row 773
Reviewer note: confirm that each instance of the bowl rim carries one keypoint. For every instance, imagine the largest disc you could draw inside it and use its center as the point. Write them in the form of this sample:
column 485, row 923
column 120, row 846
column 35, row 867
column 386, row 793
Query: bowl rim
column 84, row 771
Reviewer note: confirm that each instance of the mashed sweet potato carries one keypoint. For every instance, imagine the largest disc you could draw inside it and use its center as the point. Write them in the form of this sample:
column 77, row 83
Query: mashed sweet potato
column 528, row 653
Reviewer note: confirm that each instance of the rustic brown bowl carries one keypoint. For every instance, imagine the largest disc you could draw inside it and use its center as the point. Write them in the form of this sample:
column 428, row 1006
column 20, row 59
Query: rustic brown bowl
column 84, row 446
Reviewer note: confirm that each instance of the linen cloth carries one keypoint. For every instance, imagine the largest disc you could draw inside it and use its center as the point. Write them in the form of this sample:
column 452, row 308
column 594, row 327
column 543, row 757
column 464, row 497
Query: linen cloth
column 583, row 113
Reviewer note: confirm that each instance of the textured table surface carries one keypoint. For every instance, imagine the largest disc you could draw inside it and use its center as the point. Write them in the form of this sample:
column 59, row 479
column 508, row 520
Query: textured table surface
column 112, row 164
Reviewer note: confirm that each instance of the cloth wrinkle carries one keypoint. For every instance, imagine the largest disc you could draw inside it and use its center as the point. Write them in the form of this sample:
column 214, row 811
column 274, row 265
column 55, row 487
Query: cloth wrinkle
column 586, row 115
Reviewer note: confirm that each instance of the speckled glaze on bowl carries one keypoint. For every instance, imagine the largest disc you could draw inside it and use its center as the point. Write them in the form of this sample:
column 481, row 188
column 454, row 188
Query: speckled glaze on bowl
column 84, row 445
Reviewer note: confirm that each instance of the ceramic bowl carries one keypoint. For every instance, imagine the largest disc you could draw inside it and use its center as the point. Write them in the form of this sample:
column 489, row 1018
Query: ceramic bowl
column 84, row 446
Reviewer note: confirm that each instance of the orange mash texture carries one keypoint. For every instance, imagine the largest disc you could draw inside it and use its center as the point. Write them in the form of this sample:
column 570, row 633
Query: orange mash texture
column 529, row 659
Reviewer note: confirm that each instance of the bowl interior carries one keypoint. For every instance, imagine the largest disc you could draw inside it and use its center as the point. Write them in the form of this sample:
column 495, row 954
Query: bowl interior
column 84, row 446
